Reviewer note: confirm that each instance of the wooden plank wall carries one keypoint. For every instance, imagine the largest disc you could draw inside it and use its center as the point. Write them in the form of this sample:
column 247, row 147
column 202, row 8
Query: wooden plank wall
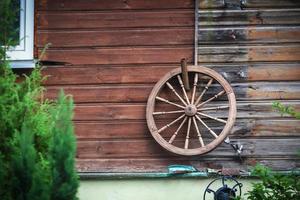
column 109, row 54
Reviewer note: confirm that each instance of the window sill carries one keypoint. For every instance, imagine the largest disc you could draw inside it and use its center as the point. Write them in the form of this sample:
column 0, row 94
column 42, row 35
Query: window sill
column 19, row 64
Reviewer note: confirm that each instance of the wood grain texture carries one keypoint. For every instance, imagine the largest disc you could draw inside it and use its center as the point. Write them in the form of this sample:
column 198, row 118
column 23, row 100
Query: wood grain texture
column 140, row 93
column 266, row 53
column 160, row 164
column 131, row 74
column 285, row 72
column 136, row 111
column 165, row 4
column 137, row 129
column 124, row 55
column 249, row 35
column 239, row 5
column 58, row 5
column 116, row 19
column 95, row 38
column 249, row 17
column 271, row 3
column 150, row 149
column 109, row 54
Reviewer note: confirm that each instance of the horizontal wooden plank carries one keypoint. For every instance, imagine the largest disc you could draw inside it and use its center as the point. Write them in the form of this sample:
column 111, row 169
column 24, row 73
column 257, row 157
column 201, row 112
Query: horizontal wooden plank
column 112, row 5
column 79, row 20
column 108, row 94
column 140, row 93
column 249, row 17
column 211, row 4
column 61, row 75
column 159, row 4
column 269, row 53
column 144, row 164
column 138, row 129
column 249, row 35
column 160, row 164
column 237, row 4
column 168, row 36
column 99, row 74
column 125, row 55
column 270, row 3
column 109, row 19
column 281, row 72
column 267, row 90
column 87, row 112
column 133, row 37
column 141, row 55
column 149, row 148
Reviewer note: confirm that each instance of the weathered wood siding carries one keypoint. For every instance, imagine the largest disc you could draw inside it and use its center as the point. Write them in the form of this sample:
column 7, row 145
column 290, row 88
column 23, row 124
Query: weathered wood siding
column 109, row 54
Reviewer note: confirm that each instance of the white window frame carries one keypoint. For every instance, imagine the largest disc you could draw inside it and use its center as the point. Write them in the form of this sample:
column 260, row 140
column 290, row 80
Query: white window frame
column 21, row 56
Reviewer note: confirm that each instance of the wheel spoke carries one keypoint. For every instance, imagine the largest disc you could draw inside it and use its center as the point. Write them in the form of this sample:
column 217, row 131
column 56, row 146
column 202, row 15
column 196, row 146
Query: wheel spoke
column 183, row 89
column 169, row 102
column 168, row 112
column 176, row 132
column 198, row 132
column 186, row 144
column 209, row 129
column 210, row 99
column 211, row 117
column 213, row 108
column 174, row 91
column 194, row 88
column 171, row 123
column 205, row 89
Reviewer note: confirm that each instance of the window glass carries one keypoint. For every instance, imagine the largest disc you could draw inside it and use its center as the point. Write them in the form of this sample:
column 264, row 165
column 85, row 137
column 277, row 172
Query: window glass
column 11, row 30
column 21, row 31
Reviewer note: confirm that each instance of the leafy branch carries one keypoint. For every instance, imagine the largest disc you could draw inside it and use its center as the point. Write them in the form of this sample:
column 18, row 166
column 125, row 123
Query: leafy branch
column 278, row 106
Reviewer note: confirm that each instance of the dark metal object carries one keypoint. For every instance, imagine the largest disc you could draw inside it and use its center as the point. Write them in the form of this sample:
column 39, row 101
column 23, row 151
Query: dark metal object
column 230, row 189
column 237, row 147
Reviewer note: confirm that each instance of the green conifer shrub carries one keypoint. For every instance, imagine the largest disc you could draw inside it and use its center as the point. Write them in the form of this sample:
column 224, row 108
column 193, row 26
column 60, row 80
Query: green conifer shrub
column 62, row 151
column 37, row 142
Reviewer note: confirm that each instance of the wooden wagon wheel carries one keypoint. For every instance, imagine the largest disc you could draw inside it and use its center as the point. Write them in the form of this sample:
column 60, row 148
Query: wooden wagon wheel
column 179, row 120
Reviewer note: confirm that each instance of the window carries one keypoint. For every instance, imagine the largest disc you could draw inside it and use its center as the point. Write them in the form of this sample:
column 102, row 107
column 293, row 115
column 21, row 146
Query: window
column 21, row 55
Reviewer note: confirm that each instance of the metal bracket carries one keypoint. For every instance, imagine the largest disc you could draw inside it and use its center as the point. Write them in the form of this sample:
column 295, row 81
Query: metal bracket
column 237, row 147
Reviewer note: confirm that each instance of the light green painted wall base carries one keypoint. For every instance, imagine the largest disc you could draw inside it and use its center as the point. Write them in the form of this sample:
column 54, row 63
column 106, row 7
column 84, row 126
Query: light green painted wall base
column 147, row 189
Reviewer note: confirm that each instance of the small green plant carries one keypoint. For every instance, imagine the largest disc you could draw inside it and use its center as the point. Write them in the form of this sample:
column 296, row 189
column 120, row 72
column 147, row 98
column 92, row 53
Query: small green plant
column 274, row 186
column 278, row 106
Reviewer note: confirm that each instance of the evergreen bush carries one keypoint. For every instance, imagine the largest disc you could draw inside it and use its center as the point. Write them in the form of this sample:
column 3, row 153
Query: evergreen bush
column 37, row 142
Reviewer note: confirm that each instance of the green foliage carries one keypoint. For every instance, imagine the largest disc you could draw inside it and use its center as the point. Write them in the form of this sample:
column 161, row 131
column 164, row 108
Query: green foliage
column 285, row 109
column 27, row 179
column 37, row 146
column 37, row 142
column 274, row 186
column 62, row 152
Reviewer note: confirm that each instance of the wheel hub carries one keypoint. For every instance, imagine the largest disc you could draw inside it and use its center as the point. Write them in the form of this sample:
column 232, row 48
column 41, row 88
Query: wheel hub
column 190, row 110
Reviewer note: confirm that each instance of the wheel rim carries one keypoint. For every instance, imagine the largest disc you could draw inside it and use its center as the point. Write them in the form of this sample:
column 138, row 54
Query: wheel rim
column 191, row 108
